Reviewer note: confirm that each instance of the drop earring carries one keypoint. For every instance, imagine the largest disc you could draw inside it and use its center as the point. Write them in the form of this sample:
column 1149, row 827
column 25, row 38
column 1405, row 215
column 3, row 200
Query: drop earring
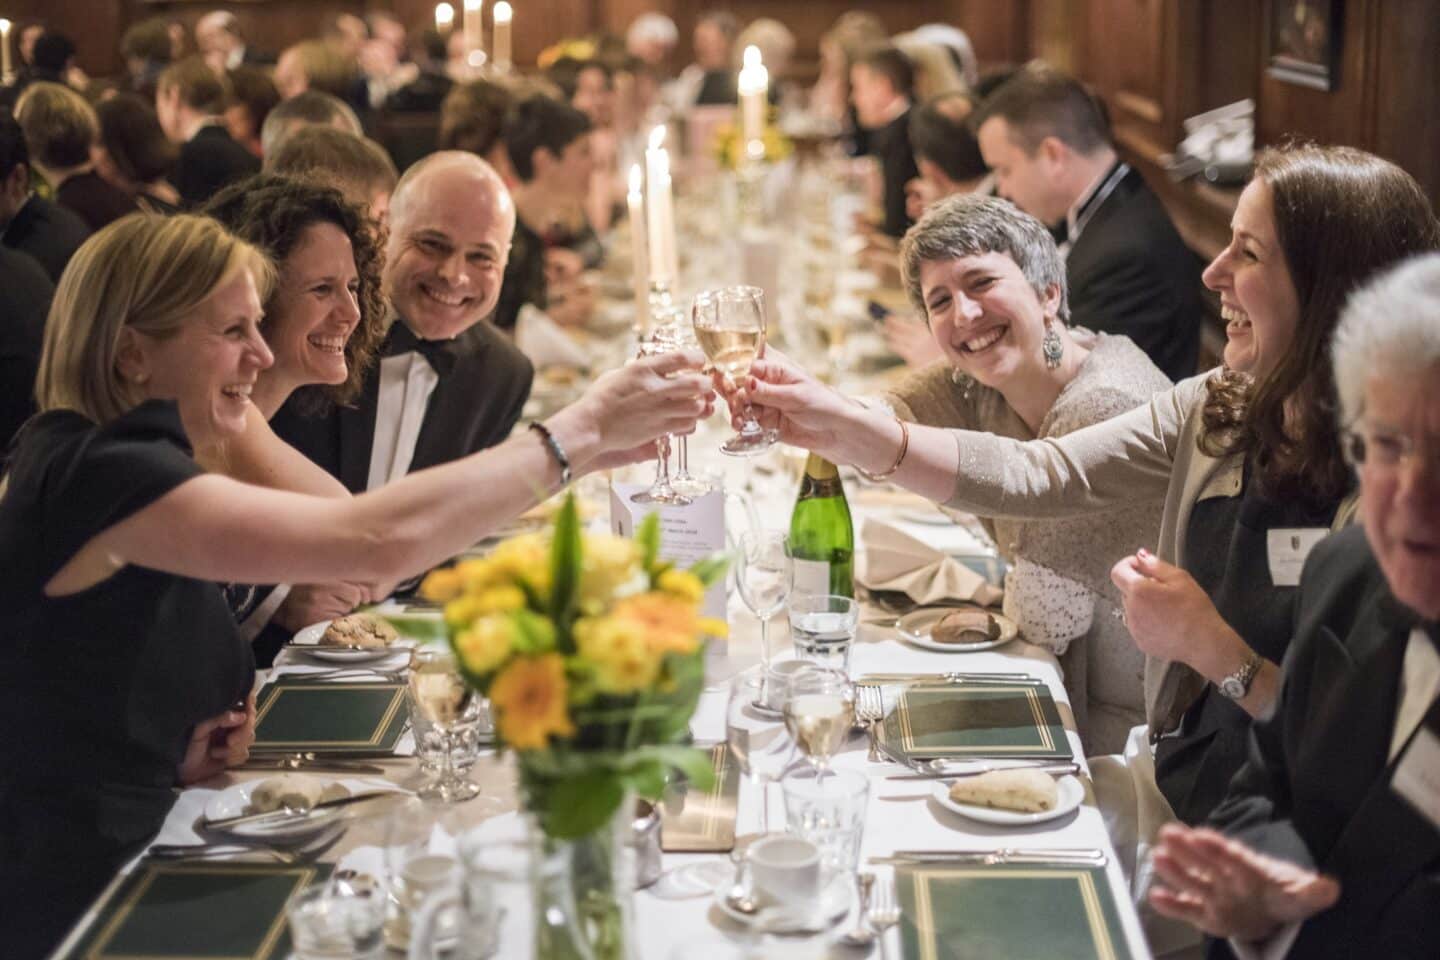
column 1052, row 347
column 964, row 381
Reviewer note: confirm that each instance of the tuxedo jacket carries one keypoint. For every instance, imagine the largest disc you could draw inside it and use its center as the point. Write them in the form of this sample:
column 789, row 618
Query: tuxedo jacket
column 891, row 145
column 1130, row 273
column 208, row 161
column 46, row 231
column 1316, row 787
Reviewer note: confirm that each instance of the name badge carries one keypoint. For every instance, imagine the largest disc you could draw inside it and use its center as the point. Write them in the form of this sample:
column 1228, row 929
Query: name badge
column 1288, row 547
column 1417, row 776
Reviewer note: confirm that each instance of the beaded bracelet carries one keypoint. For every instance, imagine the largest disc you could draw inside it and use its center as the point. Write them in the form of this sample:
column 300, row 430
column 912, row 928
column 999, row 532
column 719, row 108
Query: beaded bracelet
column 556, row 451
column 899, row 457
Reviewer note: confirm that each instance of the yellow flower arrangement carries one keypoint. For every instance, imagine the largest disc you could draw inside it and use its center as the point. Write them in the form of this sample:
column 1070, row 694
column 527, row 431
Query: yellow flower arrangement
column 730, row 146
column 591, row 651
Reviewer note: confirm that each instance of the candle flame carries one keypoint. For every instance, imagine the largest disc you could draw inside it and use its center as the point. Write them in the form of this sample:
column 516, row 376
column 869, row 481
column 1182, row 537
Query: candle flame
column 752, row 56
column 503, row 12
column 637, row 179
column 4, row 25
column 657, row 137
column 444, row 13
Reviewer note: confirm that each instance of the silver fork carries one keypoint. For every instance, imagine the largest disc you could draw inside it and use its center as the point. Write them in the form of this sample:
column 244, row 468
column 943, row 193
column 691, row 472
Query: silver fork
column 204, row 851
column 870, row 709
column 884, row 912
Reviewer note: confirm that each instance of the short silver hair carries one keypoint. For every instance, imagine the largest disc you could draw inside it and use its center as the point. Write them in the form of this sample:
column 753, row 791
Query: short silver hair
column 1389, row 328
column 968, row 225
column 653, row 26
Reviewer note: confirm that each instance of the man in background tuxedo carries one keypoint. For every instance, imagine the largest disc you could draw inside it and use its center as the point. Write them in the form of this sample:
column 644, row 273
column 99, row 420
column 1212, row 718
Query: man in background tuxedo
column 1334, row 822
column 881, row 83
column 1129, row 272
column 28, row 222
column 189, row 101
column 447, row 384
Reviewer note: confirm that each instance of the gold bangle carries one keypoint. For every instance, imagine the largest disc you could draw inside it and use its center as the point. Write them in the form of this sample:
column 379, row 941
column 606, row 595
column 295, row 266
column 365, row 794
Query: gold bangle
column 899, row 457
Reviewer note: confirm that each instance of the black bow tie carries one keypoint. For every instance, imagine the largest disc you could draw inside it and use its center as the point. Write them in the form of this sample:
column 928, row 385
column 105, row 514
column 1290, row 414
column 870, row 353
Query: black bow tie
column 438, row 353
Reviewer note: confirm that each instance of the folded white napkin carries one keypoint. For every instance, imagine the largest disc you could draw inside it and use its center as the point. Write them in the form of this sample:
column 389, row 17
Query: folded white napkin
column 895, row 560
column 544, row 341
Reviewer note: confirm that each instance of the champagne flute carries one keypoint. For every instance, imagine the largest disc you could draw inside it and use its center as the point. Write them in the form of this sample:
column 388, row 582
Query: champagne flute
column 819, row 712
column 730, row 325
column 764, row 573
column 440, row 696
column 684, row 482
column 663, row 339
column 761, row 745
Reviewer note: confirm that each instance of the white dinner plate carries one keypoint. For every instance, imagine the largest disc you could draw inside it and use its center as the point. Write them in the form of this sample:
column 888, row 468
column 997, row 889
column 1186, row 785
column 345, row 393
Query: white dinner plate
column 307, row 641
column 833, row 905
column 1072, row 793
column 235, row 802
column 914, row 628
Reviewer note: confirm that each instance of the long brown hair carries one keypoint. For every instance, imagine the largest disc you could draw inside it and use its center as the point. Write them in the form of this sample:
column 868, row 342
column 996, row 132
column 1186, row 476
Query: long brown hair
column 1341, row 215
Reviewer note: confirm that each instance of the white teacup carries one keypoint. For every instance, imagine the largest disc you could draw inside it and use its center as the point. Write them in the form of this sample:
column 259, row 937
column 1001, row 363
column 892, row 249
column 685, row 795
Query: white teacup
column 785, row 870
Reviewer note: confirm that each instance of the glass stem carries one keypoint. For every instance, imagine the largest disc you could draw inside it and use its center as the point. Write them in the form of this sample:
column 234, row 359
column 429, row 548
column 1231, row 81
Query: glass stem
column 764, row 783
column 682, row 459
column 447, row 764
column 662, row 461
column 765, row 641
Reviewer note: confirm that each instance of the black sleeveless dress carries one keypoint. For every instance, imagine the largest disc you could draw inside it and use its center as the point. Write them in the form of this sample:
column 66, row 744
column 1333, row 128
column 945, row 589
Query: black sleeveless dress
column 99, row 690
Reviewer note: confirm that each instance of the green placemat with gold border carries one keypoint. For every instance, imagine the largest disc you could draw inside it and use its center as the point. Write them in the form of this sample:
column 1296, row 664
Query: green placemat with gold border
column 959, row 721
column 703, row 821
column 330, row 718
column 1015, row 911
column 197, row 911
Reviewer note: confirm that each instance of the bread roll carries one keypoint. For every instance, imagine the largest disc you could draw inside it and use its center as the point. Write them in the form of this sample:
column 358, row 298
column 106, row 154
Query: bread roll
column 966, row 626
column 359, row 630
column 1026, row 791
column 293, row 791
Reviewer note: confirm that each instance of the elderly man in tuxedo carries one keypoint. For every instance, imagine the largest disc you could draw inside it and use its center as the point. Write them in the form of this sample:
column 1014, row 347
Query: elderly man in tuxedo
column 1329, row 840
column 447, row 383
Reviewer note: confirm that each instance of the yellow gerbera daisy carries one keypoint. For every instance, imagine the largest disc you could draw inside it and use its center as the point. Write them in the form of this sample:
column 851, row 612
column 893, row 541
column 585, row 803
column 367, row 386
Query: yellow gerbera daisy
column 529, row 701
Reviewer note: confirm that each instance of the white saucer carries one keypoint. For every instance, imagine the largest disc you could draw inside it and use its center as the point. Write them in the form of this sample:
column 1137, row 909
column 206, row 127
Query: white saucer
column 914, row 628
column 832, row 906
column 1072, row 793
column 235, row 802
column 307, row 641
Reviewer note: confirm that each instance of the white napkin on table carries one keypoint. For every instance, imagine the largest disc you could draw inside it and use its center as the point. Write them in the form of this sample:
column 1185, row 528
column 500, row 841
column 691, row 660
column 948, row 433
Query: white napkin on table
column 895, row 560
column 545, row 342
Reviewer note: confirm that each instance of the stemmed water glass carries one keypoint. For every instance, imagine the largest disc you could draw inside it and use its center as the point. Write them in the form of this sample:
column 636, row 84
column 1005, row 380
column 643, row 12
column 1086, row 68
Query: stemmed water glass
column 730, row 325
column 662, row 339
column 764, row 573
column 758, row 742
column 440, row 696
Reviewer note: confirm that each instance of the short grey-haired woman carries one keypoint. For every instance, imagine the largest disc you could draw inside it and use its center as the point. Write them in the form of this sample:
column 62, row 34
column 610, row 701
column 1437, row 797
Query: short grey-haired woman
column 990, row 284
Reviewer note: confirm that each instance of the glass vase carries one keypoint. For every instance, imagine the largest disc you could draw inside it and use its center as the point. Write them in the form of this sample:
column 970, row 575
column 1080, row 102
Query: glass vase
column 584, row 892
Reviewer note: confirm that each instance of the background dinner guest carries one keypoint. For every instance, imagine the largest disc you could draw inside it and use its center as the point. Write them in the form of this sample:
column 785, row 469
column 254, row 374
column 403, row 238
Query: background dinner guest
column 357, row 166
column 134, row 154
column 853, row 32
column 1053, row 155
column 61, row 130
column 146, row 49
column 710, row 79
column 448, row 384
column 29, row 222
column 22, row 329
column 322, row 66
column 472, row 118
column 977, row 268
column 1335, row 841
column 153, row 347
column 652, row 37
column 221, row 41
column 189, row 101
column 882, row 82
column 311, row 108
column 252, row 97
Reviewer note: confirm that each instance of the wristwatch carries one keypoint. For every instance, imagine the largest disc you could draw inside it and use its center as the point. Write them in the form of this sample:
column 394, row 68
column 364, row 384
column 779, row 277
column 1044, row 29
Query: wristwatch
column 1237, row 684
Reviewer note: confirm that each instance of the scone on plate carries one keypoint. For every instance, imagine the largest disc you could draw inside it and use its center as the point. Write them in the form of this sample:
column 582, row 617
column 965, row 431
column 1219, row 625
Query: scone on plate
column 293, row 791
column 966, row 626
column 359, row 630
column 1025, row 791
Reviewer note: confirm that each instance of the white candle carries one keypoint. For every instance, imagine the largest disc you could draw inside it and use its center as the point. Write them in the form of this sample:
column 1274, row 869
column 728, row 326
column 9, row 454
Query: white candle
column 659, row 210
column 5, row 72
column 754, row 86
column 503, row 14
column 635, row 201
column 474, row 41
column 444, row 19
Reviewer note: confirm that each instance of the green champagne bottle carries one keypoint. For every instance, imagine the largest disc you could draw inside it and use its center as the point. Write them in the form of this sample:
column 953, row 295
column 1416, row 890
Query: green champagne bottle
column 822, row 537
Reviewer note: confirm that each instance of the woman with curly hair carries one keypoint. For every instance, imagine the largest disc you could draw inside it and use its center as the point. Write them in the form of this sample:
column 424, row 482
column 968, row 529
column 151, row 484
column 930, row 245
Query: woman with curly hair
column 324, row 318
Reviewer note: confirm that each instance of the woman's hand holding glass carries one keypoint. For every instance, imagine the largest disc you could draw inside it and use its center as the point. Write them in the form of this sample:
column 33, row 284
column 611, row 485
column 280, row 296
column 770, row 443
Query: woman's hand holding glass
column 787, row 398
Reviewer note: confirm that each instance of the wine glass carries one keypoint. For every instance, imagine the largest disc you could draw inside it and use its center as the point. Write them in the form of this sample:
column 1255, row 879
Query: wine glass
column 730, row 325
column 684, row 482
column 819, row 712
column 758, row 742
column 442, row 698
column 764, row 573
column 662, row 339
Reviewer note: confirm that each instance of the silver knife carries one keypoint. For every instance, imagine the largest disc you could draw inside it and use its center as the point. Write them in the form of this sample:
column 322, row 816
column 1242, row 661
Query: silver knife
column 1056, row 769
column 319, row 764
column 280, row 816
column 1087, row 856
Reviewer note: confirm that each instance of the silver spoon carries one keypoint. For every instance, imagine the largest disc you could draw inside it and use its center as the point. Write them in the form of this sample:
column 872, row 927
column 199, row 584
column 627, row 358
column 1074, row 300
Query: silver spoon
column 740, row 897
column 862, row 935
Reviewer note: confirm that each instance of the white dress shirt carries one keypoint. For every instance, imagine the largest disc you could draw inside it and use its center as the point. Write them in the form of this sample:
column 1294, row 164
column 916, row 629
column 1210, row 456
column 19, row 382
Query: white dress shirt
column 406, row 382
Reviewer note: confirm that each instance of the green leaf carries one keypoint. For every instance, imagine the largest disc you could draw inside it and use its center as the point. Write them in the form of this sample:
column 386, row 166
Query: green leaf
column 647, row 535
column 581, row 804
column 647, row 779
column 565, row 560
column 711, row 569
column 693, row 763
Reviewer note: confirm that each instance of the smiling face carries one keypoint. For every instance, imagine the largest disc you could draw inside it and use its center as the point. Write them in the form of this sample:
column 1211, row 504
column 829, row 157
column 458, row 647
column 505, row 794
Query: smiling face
column 1258, row 300
column 1400, row 502
column 210, row 365
column 594, row 96
column 985, row 316
column 449, row 242
column 315, row 308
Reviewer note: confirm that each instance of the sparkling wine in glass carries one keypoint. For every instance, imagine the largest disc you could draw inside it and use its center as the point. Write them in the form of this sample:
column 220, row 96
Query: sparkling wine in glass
column 764, row 573
column 442, row 698
column 730, row 326
column 819, row 713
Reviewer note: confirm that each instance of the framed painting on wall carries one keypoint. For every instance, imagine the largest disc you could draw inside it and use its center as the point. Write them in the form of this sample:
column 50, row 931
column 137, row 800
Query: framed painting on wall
column 1304, row 42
